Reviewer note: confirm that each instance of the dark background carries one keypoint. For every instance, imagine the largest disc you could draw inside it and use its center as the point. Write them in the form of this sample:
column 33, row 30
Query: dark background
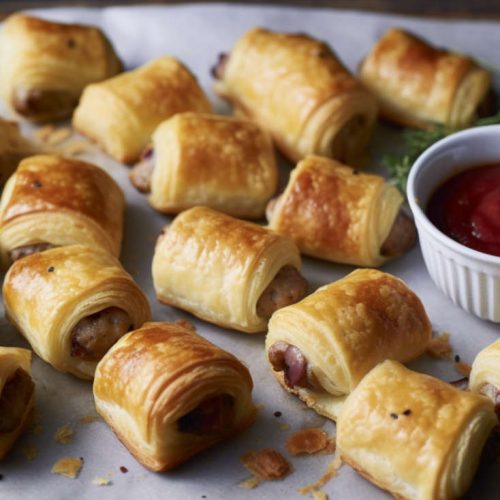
column 439, row 8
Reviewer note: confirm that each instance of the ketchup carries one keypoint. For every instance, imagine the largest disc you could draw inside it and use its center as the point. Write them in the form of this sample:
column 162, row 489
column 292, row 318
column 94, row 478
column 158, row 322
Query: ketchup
column 467, row 208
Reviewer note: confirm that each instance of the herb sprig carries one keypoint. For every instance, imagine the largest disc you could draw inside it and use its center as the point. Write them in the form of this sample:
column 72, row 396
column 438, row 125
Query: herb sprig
column 416, row 141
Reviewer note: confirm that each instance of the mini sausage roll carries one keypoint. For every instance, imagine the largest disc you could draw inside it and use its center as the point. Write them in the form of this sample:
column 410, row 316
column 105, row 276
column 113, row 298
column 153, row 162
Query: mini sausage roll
column 227, row 271
column 485, row 374
column 13, row 148
column 16, row 395
column 121, row 113
column 296, row 88
column 339, row 214
column 215, row 161
column 168, row 394
column 418, row 84
column 45, row 65
column 72, row 303
column 53, row 201
column 320, row 348
column 413, row 435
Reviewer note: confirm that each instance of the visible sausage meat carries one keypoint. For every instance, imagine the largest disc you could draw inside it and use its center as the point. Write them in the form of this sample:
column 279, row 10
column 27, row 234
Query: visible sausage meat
column 402, row 236
column 212, row 416
column 287, row 287
column 94, row 335
column 291, row 361
column 14, row 399
column 140, row 175
column 40, row 104
column 492, row 392
column 219, row 67
column 24, row 251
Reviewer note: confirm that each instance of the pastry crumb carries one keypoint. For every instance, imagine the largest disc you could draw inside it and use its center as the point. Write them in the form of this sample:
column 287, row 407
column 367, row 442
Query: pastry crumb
column 64, row 434
column 101, row 481
column 463, row 368
column 320, row 495
column 330, row 473
column 75, row 148
column 267, row 464
column 186, row 324
column 58, row 136
column 68, row 467
column 43, row 133
column 307, row 441
column 30, row 452
column 250, row 483
column 439, row 347
column 89, row 419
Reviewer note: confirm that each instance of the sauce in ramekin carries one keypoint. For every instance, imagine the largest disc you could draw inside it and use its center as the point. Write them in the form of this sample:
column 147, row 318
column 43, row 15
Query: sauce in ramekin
column 467, row 208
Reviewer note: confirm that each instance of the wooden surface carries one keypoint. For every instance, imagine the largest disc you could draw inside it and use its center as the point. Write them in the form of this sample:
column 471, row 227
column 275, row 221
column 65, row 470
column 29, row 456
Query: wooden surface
column 439, row 8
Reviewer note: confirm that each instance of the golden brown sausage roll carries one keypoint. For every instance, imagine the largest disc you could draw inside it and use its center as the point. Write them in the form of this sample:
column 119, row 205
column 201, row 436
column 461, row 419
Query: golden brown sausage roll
column 45, row 65
column 13, row 148
column 418, row 84
column 227, row 271
column 16, row 395
column 412, row 434
column 53, row 201
column 72, row 304
column 339, row 214
column 215, row 161
column 168, row 393
column 296, row 88
column 485, row 374
column 320, row 348
column 121, row 113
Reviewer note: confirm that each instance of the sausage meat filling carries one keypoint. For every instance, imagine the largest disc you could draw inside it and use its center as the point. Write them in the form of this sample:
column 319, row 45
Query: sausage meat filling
column 219, row 67
column 401, row 238
column 140, row 175
column 15, row 397
column 287, row 287
column 212, row 416
column 36, row 103
column 24, row 251
column 492, row 392
column 92, row 337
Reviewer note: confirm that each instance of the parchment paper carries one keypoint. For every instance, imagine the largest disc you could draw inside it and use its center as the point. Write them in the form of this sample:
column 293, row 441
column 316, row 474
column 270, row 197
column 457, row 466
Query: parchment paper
column 196, row 34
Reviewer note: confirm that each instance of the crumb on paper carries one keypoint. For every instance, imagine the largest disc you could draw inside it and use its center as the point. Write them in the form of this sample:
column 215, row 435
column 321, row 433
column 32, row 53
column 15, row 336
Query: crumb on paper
column 284, row 426
column 250, row 483
column 440, row 347
column 30, row 452
column 330, row 473
column 43, row 133
column 68, row 467
column 185, row 324
column 75, row 148
column 89, row 419
column 463, row 368
column 307, row 441
column 58, row 136
column 267, row 464
column 64, row 434
column 101, row 481
column 320, row 495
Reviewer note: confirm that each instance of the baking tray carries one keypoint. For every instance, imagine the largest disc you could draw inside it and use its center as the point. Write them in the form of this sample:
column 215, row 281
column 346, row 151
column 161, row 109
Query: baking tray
column 196, row 34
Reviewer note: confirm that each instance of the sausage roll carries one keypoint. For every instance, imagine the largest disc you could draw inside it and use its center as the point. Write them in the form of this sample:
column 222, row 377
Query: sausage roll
column 53, row 201
column 13, row 148
column 72, row 303
column 45, row 65
column 168, row 393
column 16, row 395
column 485, row 374
column 413, row 435
column 121, row 113
column 339, row 214
column 227, row 271
column 296, row 88
column 320, row 348
column 418, row 85
column 214, row 161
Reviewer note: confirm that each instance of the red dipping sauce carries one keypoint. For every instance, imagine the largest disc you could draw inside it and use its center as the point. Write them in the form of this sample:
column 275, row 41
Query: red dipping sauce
column 467, row 208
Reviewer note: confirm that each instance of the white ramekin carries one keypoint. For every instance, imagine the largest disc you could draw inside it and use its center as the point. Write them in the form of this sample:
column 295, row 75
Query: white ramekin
column 468, row 277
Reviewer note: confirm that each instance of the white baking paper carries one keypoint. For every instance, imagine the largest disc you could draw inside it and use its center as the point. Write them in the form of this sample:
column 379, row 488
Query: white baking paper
column 196, row 34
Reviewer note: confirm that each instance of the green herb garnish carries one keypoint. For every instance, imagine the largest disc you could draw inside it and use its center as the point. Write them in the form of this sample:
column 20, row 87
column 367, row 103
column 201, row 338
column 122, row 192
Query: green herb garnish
column 416, row 141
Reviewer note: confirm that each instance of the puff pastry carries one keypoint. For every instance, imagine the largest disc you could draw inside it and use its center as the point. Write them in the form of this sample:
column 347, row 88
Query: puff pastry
column 121, row 113
column 16, row 395
column 413, row 435
column 321, row 347
column 296, row 88
column 485, row 375
column 339, row 214
column 215, row 161
column 227, row 271
column 417, row 84
column 52, row 201
column 168, row 394
column 45, row 65
column 13, row 148
column 72, row 303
